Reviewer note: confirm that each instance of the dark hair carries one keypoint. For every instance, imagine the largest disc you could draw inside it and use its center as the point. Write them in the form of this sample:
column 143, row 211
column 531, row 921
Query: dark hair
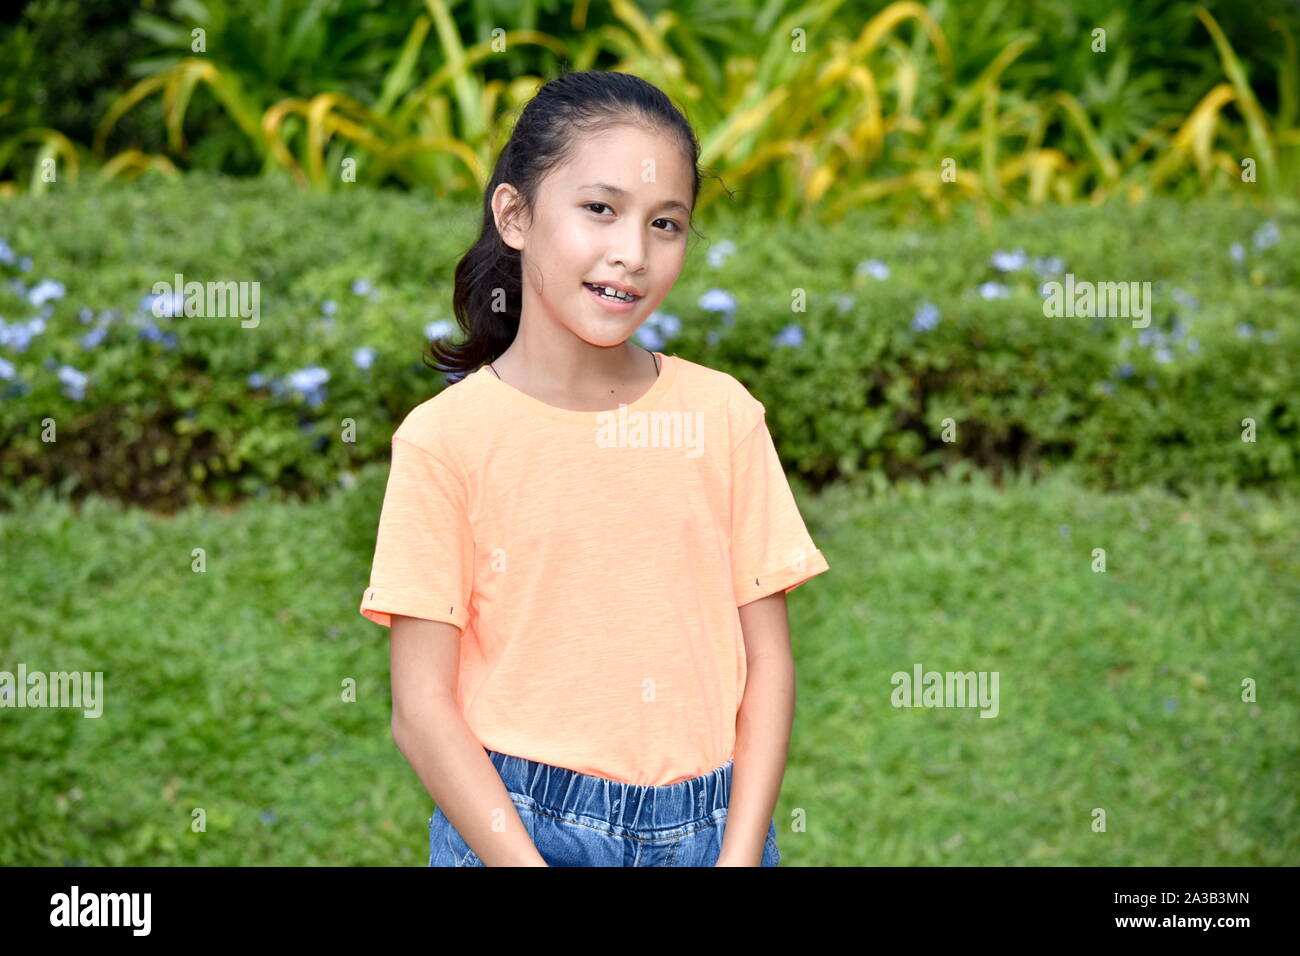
column 542, row 138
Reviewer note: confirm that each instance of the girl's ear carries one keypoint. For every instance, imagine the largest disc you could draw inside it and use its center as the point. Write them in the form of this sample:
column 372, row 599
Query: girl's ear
column 506, row 209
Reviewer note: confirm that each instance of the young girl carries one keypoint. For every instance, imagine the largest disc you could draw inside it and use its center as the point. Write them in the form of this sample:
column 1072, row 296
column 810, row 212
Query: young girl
column 585, row 547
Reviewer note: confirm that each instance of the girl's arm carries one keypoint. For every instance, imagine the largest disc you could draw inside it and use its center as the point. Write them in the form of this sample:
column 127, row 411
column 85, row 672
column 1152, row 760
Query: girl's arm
column 432, row 735
column 762, row 730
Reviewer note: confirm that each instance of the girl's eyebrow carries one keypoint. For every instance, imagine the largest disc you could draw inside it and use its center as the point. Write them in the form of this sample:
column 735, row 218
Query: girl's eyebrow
column 670, row 204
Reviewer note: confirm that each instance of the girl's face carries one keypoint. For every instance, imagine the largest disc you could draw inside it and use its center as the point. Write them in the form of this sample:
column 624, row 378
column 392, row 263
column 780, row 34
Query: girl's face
column 616, row 213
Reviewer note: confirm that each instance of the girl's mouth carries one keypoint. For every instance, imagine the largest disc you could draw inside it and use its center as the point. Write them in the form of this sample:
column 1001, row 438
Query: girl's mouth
column 618, row 302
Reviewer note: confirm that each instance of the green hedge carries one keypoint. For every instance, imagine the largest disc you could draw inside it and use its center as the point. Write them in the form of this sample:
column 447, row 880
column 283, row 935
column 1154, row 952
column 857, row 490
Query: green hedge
column 857, row 386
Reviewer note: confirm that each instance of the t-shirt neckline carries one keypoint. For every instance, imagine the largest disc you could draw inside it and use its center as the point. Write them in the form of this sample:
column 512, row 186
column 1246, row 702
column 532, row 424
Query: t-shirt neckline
column 667, row 369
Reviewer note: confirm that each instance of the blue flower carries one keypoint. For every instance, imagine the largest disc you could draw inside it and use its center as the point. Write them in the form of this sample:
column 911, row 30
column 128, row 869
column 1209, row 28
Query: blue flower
column 18, row 335
column 926, row 318
column 362, row 287
column 92, row 338
column 845, row 302
column 1186, row 299
column 74, row 382
column 1010, row 261
column 6, row 367
column 1269, row 336
column 25, row 264
column 1149, row 336
column 1237, row 251
column 791, row 337
column 1193, row 345
column 1267, row 235
column 994, row 290
column 164, row 306
column 717, row 300
column 329, row 307
column 438, row 329
column 151, row 332
column 364, row 357
column 256, row 380
column 874, row 268
column 718, row 254
column 86, row 315
column 306, row 379
column 1107, row 387
column 1125, row 371
column 1245, row 330
column 1163, row 354
column 669, row 325
column 650, row 337
column 1171, row 705
column 268, row 816
column 1051, row 266
column 7, row 256
column 45, row 290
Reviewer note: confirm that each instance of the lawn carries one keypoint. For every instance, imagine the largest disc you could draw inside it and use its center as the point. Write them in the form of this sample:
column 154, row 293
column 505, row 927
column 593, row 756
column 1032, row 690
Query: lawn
column 1119, row 691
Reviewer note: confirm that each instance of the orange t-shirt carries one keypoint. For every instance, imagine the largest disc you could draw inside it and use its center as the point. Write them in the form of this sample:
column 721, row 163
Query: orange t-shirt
column 594, row 562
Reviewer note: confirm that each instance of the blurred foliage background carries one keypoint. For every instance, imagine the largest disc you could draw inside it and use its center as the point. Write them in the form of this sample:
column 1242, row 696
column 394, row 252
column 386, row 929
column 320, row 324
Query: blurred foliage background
column 802, row 108
column 139, row 140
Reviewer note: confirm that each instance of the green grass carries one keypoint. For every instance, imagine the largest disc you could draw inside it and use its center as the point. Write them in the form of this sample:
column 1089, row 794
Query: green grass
column 1118, row 691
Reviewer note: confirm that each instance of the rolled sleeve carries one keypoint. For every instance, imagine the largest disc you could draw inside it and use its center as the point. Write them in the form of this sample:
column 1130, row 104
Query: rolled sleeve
column 424, row 550
column 771, row 549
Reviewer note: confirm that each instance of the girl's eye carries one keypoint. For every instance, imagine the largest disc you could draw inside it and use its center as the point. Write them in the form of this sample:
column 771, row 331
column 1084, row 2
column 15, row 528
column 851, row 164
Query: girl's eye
column 676, row 227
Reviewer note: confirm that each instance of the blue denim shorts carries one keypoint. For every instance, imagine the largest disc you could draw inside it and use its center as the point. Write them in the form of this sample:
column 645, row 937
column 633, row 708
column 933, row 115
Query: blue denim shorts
column 580, row 820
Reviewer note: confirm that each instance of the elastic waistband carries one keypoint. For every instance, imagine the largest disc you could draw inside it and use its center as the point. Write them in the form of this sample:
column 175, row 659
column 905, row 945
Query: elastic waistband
column 641, row 807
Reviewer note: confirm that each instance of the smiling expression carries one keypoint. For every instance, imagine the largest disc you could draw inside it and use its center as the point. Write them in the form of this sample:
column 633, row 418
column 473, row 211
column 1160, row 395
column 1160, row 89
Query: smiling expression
column 597, row 220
